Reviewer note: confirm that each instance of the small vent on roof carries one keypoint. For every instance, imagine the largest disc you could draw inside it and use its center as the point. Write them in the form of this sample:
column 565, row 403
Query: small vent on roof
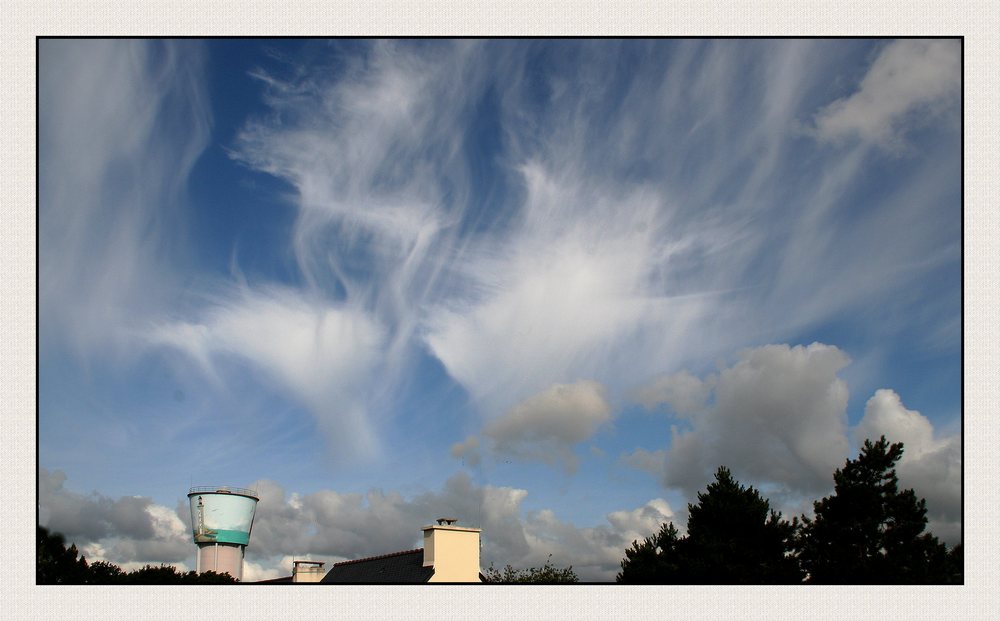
column 448, row 521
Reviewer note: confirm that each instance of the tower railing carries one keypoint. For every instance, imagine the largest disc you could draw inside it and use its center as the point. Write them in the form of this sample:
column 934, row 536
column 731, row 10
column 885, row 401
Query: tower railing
column 225, row 489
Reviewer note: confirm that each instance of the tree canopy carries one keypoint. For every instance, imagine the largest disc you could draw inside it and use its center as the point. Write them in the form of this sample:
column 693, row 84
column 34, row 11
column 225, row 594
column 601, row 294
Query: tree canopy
column 870, row 532
column 57, row 564
column 867, row 532
column 546, row 574
column 734, row 537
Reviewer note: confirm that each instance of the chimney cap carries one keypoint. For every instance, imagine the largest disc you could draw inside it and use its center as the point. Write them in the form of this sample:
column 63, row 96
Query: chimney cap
column 446, row 520
column 308, row 562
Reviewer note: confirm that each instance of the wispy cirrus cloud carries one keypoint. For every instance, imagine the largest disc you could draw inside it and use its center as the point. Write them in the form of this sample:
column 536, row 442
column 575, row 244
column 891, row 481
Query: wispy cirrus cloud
column 319, row 353
column 121, row 124
column 500, row 219
column 622, row 240
column 368, row 156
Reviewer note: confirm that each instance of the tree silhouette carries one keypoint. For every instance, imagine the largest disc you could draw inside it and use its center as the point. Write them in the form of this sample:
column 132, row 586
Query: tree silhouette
column 869, row 532
column 546, row 574
column 733, row 538
column 655, row 560
column 103, row 572
column 56, row 564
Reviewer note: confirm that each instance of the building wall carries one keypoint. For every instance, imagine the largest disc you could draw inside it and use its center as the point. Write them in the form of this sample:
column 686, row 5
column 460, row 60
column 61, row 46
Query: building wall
column 307, row 572
column 454, row 553
column 221, row 558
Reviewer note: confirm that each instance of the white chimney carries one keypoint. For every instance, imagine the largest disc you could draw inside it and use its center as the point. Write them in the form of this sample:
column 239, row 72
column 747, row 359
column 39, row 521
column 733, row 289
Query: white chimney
column 453, row 551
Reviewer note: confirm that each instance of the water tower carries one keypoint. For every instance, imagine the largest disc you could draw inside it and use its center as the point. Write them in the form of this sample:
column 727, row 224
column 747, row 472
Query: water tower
column 221, row 519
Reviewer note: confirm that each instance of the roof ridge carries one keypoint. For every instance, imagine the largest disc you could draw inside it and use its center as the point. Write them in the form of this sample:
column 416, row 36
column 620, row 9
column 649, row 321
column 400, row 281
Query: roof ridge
column 375, row 558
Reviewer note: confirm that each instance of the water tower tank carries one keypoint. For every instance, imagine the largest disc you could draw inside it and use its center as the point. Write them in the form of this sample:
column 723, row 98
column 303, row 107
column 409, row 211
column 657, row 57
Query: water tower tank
column 221, row 519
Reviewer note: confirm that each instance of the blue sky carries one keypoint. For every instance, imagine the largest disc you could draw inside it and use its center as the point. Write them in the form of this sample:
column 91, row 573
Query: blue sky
column 546, row 286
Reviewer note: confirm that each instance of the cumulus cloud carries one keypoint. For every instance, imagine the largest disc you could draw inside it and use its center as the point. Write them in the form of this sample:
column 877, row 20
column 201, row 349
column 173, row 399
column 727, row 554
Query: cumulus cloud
column 909, row 82
column 467, row 450
column 645, row 519
column 255, row 572
column 130, row 531
column 931, row 466
column 545, row 427
column 595, row 552
column 682, row 391
column 779, row 416
column 652, row 462
column 777, row 419
column 886, row 415
column 331, row 526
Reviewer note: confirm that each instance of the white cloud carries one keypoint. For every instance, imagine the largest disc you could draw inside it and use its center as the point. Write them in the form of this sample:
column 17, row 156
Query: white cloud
column 255, row 572
column 908, row 83
column 590, row 269
column 130, row 531
column 330, row 526
column 644, row 521
column 931, row 466
column 779, row 415
column 545, row 427
column 678, row 239
column 886, row 415
column 368, row 156
column 467, row 450
column 682, row 391
column 560, row 295
column 121, row 124
column 652, row 462
column 321, row 354
column 777, row 419
column 594, row 552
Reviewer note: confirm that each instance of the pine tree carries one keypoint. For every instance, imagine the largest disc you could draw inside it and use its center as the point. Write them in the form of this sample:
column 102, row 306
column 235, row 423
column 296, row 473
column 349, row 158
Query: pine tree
column 655, row 560
column 55, row 563
column 869, row 532
column 733, row 538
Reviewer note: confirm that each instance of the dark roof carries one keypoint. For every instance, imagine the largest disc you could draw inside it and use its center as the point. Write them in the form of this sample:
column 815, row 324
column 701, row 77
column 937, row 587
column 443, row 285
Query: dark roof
column 282, row 580
column 398, row 567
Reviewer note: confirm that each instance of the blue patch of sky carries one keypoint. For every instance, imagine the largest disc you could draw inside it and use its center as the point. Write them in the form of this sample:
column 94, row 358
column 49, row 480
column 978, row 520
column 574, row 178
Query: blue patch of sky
column 492, row 189
column 431, row 411
column 237, row 212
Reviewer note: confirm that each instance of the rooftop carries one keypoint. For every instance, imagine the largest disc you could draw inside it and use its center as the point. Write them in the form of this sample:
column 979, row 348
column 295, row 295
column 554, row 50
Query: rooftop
column 398, row 567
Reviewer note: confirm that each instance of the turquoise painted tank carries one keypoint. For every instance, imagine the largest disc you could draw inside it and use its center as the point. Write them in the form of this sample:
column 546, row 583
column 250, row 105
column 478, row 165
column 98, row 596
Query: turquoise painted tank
column 221, row 521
